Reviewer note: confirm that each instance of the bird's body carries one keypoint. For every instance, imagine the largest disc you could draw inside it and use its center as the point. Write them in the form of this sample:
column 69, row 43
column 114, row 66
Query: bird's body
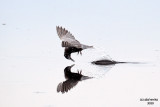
column 69, row 42
column 72, row 79
column 72, row 76
column 69, row 50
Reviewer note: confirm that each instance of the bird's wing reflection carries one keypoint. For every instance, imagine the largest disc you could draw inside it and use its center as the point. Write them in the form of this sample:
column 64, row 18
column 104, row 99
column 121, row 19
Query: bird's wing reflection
column 66, row 85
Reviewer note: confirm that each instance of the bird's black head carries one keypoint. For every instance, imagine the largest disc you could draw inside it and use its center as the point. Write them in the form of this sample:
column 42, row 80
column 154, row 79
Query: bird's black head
column 67, row 71
column 68, row 68
column 68, row 56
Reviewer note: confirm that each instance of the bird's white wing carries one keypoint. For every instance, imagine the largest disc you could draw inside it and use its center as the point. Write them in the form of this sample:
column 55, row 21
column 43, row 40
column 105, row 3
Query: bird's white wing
column 67, row 38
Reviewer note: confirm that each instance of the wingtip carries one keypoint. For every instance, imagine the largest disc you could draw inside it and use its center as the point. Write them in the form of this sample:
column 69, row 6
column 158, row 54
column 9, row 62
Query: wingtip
column 58, row 27
column 59, row 87
column 92, row 47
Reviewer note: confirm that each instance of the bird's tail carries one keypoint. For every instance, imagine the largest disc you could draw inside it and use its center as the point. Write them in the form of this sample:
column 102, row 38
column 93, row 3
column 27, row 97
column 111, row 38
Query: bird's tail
column 85, row 78
column 86, row 46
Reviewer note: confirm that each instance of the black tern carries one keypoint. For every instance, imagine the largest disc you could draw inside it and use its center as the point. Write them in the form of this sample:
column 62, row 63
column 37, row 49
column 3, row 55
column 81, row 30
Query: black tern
column 69, row 42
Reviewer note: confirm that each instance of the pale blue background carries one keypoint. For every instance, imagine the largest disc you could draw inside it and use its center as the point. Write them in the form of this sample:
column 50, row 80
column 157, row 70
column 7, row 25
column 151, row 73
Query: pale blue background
column 30, row 24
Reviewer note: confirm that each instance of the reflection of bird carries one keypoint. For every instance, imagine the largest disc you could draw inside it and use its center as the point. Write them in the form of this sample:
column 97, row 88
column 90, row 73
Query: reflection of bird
column 70, row 43
column 71, row 79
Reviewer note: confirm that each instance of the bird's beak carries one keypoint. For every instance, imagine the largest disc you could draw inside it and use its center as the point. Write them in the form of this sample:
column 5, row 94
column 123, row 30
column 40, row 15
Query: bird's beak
column 72, row 65
column 71, row 59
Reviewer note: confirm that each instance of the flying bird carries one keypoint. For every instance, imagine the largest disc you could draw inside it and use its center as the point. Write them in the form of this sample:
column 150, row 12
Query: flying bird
column 69, row 42
column 72, row 79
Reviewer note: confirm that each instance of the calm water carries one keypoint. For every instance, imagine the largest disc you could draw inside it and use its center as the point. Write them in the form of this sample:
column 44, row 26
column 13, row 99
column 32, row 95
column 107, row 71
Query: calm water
column 32, row 62
column 32, row 81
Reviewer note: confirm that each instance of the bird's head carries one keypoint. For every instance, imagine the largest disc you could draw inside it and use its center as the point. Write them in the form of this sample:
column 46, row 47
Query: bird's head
column 68, row 69
column 68, row 56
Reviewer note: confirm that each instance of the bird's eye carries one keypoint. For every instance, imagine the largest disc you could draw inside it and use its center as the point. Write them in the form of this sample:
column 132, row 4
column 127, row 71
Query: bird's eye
column 66, row 55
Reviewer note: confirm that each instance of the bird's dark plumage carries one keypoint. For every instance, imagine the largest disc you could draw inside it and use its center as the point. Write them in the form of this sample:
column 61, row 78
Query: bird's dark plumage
column 69, row 42
column 72, row 80
column 69, row 50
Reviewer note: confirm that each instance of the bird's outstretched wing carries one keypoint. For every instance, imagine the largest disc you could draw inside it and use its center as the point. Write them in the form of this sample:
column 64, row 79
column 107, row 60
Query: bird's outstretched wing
column 68, row 40
column 66, row 85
